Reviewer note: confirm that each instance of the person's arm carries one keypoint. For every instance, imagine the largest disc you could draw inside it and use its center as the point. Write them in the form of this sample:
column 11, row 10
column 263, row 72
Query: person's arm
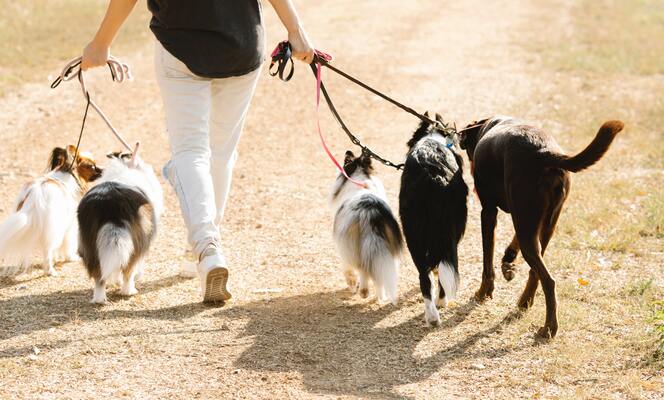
column 96, row 53
column 302, row 48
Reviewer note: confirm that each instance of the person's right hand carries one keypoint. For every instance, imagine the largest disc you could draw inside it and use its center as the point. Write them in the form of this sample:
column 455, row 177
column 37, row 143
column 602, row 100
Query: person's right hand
column 95, row 55
column 303, row 50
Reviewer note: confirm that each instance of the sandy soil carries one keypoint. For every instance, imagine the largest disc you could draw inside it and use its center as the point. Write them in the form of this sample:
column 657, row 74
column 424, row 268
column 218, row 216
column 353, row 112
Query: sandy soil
column 305, row 337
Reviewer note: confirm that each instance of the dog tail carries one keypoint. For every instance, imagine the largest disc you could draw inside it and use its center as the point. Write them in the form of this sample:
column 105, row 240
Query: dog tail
column 592, row 153
column 115, row 247
column 448, row 274
column 12, row 234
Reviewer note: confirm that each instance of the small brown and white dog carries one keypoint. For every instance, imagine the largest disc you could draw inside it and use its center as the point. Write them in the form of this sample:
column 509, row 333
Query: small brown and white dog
column 44, row 214
column 118, row 222
column 365, row 231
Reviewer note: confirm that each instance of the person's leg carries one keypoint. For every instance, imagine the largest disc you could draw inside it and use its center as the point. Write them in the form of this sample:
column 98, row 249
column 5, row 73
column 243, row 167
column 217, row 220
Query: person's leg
column 187, row 101
column 230, row 102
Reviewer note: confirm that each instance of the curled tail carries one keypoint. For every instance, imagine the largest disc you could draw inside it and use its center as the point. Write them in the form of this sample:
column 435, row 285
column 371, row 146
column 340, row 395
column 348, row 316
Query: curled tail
column 115, row 247
column 591, row 154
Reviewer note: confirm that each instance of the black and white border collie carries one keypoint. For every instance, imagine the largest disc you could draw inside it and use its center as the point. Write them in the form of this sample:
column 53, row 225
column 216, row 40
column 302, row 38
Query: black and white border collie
column 118, row 221
column 432, row 204
column 365, row 230
column 43, row 218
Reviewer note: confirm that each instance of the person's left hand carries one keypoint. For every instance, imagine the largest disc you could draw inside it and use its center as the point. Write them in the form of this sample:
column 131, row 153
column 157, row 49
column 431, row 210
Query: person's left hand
column 302, row 48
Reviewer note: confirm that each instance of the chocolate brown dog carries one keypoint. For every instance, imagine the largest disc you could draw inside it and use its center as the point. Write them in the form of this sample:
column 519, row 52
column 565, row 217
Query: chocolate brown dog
column 522, row 170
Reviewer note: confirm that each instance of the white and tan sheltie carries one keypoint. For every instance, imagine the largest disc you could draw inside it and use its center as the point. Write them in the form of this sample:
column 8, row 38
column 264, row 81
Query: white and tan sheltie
column 44, row 215
column 118, row 222
column 365, row 231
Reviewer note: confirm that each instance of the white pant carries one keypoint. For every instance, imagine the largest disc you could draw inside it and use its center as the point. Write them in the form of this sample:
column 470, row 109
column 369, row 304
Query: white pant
column 204, row 120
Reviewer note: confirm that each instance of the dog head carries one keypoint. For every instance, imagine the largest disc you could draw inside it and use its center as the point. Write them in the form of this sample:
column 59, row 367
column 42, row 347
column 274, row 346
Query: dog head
column 85, row 168
column 352, row 164
column 426, row 128
column 470, row 135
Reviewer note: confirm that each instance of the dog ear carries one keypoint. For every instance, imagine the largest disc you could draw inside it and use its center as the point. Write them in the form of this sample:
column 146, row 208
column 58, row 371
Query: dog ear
column 59, row 157
column 439, row 118
column 426, row 114
column 349, row 157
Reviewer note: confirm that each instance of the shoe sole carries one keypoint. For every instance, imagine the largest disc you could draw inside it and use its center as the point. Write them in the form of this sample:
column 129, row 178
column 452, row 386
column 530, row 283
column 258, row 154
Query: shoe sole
column 215, row 286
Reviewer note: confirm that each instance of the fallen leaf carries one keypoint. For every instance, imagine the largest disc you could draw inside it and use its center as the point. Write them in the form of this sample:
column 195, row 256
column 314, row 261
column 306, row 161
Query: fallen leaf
column 583, row 282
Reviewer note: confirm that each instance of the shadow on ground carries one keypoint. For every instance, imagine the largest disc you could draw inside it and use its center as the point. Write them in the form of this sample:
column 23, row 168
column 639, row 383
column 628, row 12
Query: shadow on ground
column 341, row 348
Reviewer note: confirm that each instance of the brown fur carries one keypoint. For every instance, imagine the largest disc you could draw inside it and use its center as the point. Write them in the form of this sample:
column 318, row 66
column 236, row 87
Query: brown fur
column 522, row 170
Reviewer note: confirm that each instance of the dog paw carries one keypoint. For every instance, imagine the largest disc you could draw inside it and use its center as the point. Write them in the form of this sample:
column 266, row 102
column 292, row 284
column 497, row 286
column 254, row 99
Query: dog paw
column 98, row 301
column 482, row 296
column 128, row 292
column 364, row 293
column 51, row 272
column 525, row 303
column 431, row 314
column 547, row 332
column 441, row 302
column 509, row 270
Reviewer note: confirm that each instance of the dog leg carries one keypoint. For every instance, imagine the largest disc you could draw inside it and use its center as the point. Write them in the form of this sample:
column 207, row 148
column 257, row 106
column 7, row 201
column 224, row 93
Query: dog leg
column 48, row 263
column 441, row 300
column 532, row 254
column 99, row 293
column 508, row 266
column 129, row 277
column 69, row 249
column 528, row 296
column 364, row 285
column 351, row 279
column 488, row 236
column 431, row 315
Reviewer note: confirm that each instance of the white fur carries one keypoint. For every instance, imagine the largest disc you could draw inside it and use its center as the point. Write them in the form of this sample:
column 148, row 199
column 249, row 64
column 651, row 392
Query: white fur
column 114, row 244
column 383, row 271
column 114, row 247
column 46, row 223
column 449, row 280
column 431, row 315
column 138, row 174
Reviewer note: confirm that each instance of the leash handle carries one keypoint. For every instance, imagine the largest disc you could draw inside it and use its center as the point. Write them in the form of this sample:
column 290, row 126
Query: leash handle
column 120, row 72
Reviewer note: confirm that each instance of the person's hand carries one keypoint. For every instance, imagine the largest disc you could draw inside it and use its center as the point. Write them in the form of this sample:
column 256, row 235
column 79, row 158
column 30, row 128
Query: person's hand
column 303, row 50
column 95, row 55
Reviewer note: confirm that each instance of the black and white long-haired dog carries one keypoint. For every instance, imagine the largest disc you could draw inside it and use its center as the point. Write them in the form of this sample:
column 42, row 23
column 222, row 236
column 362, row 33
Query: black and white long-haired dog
column 43, row 218
column 433, row 208
column 365, row 230
column 118, row 222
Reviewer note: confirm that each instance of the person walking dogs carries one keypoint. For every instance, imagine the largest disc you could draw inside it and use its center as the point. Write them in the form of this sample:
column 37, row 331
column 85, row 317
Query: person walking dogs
column 208, row 55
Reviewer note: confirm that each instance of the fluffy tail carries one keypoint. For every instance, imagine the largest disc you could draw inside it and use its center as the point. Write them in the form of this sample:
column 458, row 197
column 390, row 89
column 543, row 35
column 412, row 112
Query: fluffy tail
column 384, row 273
column 115, row 247
column 12, row 234
column 592, row 153
column 448, row 275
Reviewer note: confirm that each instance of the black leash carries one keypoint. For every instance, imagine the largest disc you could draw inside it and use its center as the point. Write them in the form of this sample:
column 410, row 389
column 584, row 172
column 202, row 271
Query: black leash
column 282, row 57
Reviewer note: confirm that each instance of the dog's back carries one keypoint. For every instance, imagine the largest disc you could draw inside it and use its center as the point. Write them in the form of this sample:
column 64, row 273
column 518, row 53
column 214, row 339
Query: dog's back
column 432, row 203
column 117, row 224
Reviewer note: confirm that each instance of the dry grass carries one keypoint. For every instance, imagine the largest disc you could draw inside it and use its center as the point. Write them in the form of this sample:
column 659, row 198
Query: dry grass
column 36, row 35
column 310, row 338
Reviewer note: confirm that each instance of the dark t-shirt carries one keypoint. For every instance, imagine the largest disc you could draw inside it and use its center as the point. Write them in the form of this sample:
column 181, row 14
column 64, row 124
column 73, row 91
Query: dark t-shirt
column 213, row 38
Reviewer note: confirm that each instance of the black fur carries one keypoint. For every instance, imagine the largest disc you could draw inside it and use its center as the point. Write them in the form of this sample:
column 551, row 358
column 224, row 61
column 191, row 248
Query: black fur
column 118, row 204
column 381, row 220
column 432, row 205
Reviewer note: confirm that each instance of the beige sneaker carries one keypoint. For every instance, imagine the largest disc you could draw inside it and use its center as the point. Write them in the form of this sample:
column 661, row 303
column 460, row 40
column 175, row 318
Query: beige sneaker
column 214, row 276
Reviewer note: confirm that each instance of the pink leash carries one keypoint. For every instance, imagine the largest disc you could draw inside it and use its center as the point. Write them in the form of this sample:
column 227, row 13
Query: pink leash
column 319, row 79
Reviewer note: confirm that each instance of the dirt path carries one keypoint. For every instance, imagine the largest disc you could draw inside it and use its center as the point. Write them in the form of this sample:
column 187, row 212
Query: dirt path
column 310, row 339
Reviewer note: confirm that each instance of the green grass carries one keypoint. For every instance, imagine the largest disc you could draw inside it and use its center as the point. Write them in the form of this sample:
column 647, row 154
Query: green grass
column 658, row 321
column 37, row 37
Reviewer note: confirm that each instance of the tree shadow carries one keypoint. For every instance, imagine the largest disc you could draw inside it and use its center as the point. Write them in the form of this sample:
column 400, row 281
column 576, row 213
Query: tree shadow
column 34, row 312
column 349, row 349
